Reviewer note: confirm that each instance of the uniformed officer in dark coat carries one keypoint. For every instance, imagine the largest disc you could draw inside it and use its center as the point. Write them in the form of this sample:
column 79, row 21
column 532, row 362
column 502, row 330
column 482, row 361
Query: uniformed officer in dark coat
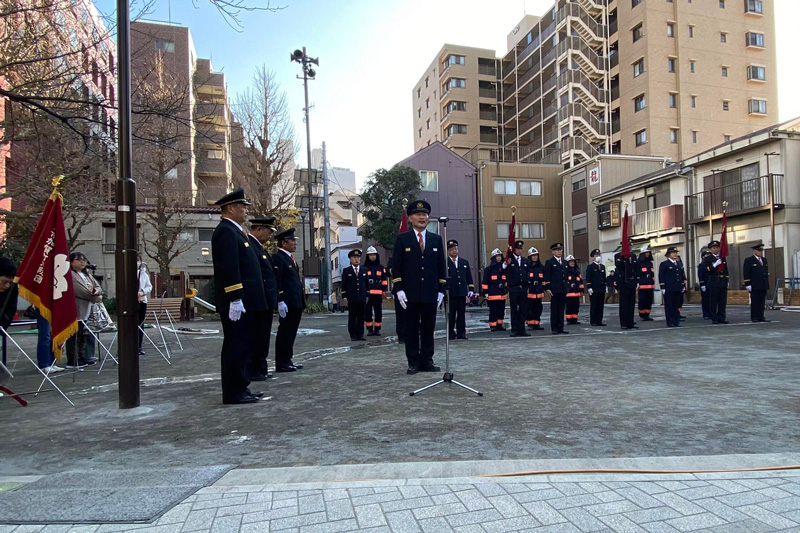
column 354, row 293
column 756, row 280
column 647, row 283
column 495, row 289
column 460, row 288
column 627, row 280
column 291, row 301
column 672, row 282
column 377, row 286
column 555, row 283
column 717, row 283
column 399, row 312
column 261, row 230
column 420, row 275
column 596, row 287
column 516, row 267
column 702, row 276
column 535, row 290
column 239, row 295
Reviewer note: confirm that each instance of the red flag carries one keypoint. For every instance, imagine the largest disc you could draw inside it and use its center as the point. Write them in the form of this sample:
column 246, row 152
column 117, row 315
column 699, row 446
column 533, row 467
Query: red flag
column 404, row 222
column 626, row 243
column 512, row 237
column 723, row 242
column 44, row 275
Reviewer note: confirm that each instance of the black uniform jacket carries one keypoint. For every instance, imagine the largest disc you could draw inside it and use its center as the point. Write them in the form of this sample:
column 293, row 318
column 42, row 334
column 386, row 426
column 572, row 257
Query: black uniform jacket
column 268, row 272
column 596, row 277
column 376, row 280
column 494, row 282
column 517, row 273
column 627, row 271
column 237, row 272
column 555, row 275
column 291, row 287
column 459, row 279
column 421, row 276
column 535, row 277
column 574, row 281
column 671, row 276
column 755, row 274
column 354, row 288
column 715, row 279
column 647, row 274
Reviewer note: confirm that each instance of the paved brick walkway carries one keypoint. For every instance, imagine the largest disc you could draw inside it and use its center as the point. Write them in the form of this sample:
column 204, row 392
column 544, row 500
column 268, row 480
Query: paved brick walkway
column 735, row 502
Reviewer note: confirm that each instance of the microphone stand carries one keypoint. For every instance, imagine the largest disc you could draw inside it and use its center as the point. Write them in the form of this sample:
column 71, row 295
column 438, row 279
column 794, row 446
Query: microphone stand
column 448, row 376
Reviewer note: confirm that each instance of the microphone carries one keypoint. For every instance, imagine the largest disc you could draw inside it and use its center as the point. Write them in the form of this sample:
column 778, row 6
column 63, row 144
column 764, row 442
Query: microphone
column 443, row 219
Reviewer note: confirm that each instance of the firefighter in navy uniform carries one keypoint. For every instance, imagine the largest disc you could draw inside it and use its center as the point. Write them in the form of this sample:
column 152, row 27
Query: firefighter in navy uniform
column 702, row 277
column 494, row 288
column 399, row 312
column 239, row 294
column 756, row 280
column 377, row 286
column 535, row 290
column 460, row 287
column 555, row 283
column 672, row 282
column 572, row 306
column 354, row 295
column 516, row 267
column 627, row 269
column 261, row 230
column 716, row 283
column 291, row 301
column 647, row 283
column 420, row 275
column 596, row 287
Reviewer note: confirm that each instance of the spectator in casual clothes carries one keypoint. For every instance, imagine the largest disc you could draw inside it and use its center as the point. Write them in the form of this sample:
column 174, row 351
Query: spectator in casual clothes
column 44, row 346
column 145, row 286
column 8, row 292
column 87, row 292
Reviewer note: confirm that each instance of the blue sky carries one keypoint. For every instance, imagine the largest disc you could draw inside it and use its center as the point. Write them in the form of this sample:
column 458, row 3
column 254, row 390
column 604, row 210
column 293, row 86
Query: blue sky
column 371, row 54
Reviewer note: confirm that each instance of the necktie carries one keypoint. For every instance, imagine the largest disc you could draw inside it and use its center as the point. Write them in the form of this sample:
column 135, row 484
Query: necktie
column 760, row 262
column 293, row 261
column 421, row 244
column 356, row 269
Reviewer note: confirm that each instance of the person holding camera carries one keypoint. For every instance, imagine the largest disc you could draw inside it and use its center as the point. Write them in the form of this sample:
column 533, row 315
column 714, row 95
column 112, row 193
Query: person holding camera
column 87, row 292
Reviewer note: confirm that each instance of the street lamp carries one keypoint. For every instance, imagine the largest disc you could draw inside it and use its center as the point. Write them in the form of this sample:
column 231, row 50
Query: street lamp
column 300, row 56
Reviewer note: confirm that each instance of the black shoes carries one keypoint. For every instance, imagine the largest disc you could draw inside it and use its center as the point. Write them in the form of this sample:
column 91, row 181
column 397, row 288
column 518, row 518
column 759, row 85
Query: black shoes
column 465, row 338
column 245, row 398
column 141, row 352
column 412, row 370
column 645, row 318
column 258, row 377
column 764, row 320
column 600, row 324
column 289, row 368
column 357, row 338
column 430, row 368
column 518, row 334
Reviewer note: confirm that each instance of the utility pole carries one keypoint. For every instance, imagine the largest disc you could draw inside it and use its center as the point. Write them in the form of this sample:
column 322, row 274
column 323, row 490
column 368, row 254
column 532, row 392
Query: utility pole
column 126, row 249
column 327, row 260
column 299, row 56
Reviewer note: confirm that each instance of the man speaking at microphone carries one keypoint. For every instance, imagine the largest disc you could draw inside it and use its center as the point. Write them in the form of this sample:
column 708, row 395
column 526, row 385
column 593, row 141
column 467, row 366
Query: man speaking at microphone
column 420, row 278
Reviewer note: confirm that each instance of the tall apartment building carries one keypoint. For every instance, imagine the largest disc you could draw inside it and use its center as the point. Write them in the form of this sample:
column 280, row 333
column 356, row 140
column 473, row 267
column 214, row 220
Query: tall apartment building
column 456, row 100
column 204, row 117
column 641, row 77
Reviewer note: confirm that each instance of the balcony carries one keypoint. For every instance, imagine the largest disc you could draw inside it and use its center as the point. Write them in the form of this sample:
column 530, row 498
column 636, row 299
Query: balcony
column 489, row 138
column 657, row 221
column 744, row 197
column 210, row 137
column 211, row 112
column 485, row 92
column 212, row 167
column 488, row 70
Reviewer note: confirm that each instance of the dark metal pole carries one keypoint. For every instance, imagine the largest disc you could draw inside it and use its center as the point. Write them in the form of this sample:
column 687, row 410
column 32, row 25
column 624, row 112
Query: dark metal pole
column 125, row 253
column 311, row 246
column 772, row 213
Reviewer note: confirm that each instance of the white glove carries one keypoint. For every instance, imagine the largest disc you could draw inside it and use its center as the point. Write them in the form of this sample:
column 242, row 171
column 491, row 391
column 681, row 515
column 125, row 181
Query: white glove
column 683, row 289
column 591, row 291
column 470, row 294
column 283, row 309
column 703, row 288
column 717, row 263
column 749, row 288
column 401, row 297
column 439, row 299
column 235, row 311
column 663, row 291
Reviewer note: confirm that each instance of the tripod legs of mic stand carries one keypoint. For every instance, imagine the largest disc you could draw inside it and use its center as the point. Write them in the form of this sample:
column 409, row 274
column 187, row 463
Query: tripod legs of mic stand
column 447, row 378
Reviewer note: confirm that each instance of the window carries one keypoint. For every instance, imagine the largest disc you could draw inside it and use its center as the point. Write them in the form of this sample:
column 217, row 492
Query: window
column 457, row 129
column 755, row 39
column 530, row 188
column 724, row 72
column 722, row 4
column 673, row 135
column 654, row 197
column 639, row 103
column 420, row 133
column 531, row 230
column 723, row 37
column 673, row 100
column 635, row 3
column 109, row 238
column 426, row 82
column 503, row 230
column 756, row 73
column 433, row 226
column 215, row 154
column 757, row 107
column 505, row 187
column 456, row 83
column 419, row 92
column 608, row 215
column 638, row 68
column 428, row 124
column 419, row 113
column 694, row 101
column 754, row 6
column 691, row 32
column 671, row 64
column 427, row 103
column 578, row 181
column 172, row 174
column 455, row 60
column 164, row 46
column 726, row 138
column 579, row 225
column 641, row 137
column 456, row 106
column 691, row 66
column 670, row 29
column 204, row 234
column 429, row 180
column 637, row 32
column 726, row 105
column 694, row 136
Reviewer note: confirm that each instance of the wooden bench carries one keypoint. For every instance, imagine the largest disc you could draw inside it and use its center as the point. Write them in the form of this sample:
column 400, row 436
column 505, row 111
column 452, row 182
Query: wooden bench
column 159, row 306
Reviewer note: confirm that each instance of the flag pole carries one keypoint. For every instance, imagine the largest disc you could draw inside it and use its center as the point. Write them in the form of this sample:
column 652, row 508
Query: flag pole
column 126, row 249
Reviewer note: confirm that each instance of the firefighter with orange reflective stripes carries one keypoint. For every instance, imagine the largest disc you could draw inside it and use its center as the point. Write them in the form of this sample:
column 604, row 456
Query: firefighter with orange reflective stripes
column 377, row 285
column 494, row 288
column 574, row 291
column 535, row 289
column 647, row 283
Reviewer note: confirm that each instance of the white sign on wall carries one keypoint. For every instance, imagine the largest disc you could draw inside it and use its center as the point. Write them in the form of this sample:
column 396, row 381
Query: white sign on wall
column 594, row 176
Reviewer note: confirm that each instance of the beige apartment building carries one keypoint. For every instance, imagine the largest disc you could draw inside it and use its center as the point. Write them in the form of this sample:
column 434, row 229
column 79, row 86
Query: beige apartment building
column 455, row 100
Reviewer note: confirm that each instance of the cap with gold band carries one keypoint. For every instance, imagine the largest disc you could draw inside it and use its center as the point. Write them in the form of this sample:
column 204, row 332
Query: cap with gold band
column 234, row 197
